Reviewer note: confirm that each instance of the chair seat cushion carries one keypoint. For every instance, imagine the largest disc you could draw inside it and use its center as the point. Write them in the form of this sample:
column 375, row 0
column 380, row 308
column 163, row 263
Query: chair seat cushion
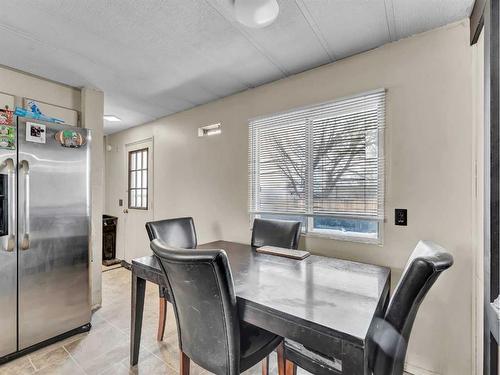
column 255, row 344
column 310, row 360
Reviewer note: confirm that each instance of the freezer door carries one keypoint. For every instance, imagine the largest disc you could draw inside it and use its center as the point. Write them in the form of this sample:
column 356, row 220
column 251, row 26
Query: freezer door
column 53, row 236
column 8, row 253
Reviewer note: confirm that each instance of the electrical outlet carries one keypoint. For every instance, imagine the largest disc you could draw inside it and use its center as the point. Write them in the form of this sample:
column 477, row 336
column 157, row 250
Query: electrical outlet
column 401, row 216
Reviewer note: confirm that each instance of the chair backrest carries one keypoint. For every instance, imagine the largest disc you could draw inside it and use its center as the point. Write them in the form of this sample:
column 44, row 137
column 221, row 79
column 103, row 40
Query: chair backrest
column 202, row 291
column 179, row 232
column 280, row 233
column 389, row 335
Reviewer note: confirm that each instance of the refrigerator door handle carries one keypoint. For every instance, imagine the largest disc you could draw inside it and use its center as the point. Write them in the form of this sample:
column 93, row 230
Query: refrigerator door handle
column 8, row 164
column 25, row 241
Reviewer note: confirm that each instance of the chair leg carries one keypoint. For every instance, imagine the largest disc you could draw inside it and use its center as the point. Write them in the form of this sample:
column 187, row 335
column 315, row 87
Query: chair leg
column 290, row 368
column 265, row 366
column 185, row 362
column 162, row 319
column 281, row 358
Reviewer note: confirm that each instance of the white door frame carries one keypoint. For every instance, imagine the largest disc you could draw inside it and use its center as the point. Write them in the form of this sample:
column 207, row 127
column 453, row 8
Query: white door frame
column 126, row 150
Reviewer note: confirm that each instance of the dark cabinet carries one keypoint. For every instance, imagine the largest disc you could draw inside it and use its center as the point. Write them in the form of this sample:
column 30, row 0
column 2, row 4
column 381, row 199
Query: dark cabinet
column 109, row 224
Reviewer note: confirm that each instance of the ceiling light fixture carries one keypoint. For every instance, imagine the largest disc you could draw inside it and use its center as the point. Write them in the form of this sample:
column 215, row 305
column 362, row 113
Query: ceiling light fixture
column 111, row 118
column 256, row 13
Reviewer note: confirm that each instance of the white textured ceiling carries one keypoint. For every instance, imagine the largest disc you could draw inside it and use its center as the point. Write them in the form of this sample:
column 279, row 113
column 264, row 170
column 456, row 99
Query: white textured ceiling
column 156, row 57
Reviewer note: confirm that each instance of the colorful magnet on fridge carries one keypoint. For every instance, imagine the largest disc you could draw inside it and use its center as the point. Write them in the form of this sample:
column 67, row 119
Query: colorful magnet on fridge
column 7, row 137
column 5, row 117
column 70, row 138
column 35, row 132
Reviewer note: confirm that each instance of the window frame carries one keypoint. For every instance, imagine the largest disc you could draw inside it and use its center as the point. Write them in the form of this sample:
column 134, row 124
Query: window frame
column 130, row 189
column 308, row 217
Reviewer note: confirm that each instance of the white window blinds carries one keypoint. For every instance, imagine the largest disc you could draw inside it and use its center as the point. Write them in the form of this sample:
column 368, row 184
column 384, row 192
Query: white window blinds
column 324, row 160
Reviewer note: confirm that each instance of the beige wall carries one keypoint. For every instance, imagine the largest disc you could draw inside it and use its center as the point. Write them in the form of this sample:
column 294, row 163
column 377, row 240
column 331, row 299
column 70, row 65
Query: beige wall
column 89, row 103
column 92, row 112
column 429, row 170
column 23, row 85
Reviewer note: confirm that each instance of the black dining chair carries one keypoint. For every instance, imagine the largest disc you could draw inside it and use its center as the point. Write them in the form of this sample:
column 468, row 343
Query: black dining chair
column 180, row 233
column 389, row 335
column 279, row 233
column 208, row 324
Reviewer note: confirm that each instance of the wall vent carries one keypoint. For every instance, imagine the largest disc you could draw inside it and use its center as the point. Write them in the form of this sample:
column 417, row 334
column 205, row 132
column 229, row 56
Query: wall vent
column 213, row 129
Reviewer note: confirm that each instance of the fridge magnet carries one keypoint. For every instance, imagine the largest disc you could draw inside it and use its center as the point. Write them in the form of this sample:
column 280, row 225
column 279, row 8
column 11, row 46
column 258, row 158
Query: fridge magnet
column 7, row 137
column 5, row 117
column 70, row 138
column 35, row 132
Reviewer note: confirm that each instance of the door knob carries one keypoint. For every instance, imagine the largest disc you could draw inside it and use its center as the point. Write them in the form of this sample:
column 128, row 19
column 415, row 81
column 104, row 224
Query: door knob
column 125, row 211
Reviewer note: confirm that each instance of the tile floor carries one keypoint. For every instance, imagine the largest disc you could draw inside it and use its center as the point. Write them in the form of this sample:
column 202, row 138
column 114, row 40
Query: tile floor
column 105, row 349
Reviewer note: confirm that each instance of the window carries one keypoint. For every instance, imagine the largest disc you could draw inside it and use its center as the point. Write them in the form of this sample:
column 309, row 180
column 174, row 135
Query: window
column 138, row 179
column 322, row 165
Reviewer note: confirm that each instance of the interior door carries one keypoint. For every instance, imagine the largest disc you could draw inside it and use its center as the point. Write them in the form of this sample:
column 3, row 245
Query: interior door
column 8, row 253
column 139, row 203
column 53, row 227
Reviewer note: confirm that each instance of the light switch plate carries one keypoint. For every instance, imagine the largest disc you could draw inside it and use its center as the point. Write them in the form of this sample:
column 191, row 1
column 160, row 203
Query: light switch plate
column 401, row 216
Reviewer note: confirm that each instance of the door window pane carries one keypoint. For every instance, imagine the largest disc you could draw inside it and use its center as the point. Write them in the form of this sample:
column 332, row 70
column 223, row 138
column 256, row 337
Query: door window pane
column 139, row 180
column 139, row 161
column 132, row 179
column 132, row 161
column 139, row 200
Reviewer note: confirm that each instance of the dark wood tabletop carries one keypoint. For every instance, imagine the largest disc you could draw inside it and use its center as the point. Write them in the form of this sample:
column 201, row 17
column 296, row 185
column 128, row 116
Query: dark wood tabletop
column 326, row 304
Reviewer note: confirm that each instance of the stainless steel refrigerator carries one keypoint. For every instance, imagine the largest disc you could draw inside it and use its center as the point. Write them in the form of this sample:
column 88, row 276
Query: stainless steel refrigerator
column 44, row 235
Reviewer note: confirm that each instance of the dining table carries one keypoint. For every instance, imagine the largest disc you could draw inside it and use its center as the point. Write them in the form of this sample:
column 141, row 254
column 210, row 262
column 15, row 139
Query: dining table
column 326, row 304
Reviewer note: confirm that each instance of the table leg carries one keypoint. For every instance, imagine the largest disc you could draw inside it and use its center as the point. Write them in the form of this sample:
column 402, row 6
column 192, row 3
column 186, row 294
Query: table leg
column 138, row 293
column 290, row 368
column 185, row 363
column 162, row 319
column 280, row 350
column 265, row 366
